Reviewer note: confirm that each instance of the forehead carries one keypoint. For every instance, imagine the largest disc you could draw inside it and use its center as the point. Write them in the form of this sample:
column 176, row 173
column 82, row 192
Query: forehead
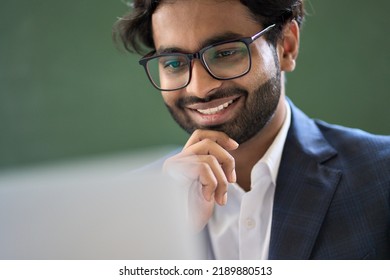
column 186, row 24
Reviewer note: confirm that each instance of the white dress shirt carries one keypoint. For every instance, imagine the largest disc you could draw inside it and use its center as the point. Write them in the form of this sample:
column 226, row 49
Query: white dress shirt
column 241, row 229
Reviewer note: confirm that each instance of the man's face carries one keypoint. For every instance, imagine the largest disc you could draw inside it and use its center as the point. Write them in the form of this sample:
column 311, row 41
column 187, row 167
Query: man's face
column 240, row 107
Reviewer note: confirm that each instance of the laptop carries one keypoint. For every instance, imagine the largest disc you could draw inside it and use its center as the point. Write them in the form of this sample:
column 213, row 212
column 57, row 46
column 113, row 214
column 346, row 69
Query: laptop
column 83, row 212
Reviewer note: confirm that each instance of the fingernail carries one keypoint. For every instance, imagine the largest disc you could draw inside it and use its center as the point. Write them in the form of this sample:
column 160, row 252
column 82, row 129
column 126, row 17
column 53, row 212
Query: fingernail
column 234, row 143
column 224, row 199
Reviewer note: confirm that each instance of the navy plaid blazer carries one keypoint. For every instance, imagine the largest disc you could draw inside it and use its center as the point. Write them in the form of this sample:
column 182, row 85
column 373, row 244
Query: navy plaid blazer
column 332, row 198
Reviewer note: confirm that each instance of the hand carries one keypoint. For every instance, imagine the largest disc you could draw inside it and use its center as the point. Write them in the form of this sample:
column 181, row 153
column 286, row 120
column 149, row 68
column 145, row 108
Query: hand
column 206, row 164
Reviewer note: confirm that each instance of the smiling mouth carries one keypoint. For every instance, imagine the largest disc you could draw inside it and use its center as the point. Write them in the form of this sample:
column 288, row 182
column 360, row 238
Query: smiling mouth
column 215, row 110
column 214, row 107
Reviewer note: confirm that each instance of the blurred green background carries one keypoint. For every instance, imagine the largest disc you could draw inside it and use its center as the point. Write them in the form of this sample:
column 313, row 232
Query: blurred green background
column 67, row 92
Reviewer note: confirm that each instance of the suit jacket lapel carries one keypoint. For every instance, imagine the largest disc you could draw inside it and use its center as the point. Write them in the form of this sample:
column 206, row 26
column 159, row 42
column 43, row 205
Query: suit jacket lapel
column 304, row 190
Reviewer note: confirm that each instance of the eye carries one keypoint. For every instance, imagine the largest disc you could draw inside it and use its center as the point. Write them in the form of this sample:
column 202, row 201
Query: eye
column 225, row 53
column 174, row 64
column 229, row 52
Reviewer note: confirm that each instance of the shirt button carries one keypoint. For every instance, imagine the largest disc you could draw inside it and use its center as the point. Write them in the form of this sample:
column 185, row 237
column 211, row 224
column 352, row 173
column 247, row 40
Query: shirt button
column 250, row 223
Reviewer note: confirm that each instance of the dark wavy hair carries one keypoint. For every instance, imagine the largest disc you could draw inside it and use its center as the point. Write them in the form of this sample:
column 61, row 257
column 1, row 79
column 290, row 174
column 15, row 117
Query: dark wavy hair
column 134, row 29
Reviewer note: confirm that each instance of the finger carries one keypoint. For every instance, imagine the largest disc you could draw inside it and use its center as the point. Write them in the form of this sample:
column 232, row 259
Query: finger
column 218, row 137
column 224, row 158
column 199, row 209
column 213, row 179
column 208, row 178
column 202, row 168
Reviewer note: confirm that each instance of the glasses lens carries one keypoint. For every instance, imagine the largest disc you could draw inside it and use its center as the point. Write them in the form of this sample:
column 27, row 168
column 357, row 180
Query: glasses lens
column 169, row 72
column 228, row 60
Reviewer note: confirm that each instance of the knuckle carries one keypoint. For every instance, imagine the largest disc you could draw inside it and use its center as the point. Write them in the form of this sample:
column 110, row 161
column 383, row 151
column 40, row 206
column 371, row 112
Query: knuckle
column 213, row 183
column 203, row 167
column 212, row 160
column 230, row 159
column 198, row 133
column 206, row 178
column 224, row 182
column 208, row 142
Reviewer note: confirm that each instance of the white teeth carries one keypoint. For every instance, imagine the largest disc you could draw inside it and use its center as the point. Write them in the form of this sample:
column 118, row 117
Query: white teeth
column 215, row 110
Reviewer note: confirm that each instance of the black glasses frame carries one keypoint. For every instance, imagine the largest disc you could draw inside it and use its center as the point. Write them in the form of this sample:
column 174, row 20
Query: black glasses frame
column 199, row 55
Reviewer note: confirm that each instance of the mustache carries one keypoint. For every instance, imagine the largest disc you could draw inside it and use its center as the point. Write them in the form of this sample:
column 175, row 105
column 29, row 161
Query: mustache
column 188, row 100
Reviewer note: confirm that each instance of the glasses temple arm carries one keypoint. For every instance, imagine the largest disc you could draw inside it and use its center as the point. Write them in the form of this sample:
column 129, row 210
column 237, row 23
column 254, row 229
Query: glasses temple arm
column 262, row 32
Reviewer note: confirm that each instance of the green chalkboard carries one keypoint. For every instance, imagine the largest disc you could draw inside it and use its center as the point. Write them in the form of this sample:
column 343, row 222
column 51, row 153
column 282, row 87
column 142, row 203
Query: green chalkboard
column 66, row 91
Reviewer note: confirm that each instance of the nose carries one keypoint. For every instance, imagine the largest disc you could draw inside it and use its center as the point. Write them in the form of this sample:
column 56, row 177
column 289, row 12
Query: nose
column 202, row 83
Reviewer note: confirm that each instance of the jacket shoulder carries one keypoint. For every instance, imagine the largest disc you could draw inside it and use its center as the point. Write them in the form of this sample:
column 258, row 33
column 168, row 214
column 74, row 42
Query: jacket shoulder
column 356, row 143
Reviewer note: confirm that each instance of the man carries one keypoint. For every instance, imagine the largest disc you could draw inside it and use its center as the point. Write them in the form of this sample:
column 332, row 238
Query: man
column 267, row 181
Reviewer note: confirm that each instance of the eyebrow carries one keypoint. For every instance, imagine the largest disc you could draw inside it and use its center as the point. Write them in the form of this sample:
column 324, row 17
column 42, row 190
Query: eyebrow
column 214, row 40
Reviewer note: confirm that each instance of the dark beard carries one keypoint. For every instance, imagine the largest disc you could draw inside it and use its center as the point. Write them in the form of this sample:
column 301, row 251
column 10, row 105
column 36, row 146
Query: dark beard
column 260, row 106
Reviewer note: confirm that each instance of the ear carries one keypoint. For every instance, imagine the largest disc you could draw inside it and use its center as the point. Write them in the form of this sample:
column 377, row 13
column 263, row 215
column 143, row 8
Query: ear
column 288, row 46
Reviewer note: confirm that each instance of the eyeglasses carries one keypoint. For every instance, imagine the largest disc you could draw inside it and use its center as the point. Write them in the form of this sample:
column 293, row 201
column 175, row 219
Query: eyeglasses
column 223, row 61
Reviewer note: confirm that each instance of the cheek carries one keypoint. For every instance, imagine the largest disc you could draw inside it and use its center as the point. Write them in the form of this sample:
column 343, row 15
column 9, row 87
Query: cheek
column 263, row 62
column 170, row 98
column 258, row 75
column 167, row 97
